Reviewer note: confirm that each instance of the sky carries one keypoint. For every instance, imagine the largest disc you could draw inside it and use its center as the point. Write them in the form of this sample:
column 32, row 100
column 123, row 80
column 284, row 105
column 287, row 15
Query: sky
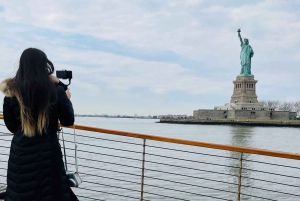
column 154, row 57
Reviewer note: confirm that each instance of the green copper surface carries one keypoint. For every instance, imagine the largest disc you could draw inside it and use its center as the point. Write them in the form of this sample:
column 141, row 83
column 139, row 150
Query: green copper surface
column 246, row 55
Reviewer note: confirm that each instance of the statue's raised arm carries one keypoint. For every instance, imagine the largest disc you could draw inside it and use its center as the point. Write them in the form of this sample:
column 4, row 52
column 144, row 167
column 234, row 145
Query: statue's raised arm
column 239, row 34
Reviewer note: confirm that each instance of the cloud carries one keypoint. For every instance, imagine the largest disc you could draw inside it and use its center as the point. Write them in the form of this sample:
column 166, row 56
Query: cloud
column 125, row 73
column 187, row 28
column 162, row 47
column 8, row 64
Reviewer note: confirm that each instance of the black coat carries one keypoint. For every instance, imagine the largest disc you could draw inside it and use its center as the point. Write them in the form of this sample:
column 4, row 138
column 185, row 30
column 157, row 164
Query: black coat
column 35, row 167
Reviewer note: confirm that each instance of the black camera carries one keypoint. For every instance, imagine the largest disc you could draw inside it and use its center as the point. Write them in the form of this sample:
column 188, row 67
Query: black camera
column 64, row 74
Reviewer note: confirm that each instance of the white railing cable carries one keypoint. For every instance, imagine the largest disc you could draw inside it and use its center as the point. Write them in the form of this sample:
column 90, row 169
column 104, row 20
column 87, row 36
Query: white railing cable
column 76, row 164
column 65, row 155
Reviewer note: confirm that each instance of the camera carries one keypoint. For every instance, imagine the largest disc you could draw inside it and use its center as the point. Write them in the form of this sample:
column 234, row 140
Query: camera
column 64, row 74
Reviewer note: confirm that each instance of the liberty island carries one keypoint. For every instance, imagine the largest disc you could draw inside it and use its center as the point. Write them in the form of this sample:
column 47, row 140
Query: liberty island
column 244, row 103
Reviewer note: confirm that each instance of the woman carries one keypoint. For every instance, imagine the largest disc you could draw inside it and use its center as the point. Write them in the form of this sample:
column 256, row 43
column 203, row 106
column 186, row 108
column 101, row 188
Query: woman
column 33, row 104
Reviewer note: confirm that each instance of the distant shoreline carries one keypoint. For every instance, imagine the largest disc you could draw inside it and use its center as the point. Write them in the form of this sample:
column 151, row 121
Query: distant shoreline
column 243, row 122
column 121, row 117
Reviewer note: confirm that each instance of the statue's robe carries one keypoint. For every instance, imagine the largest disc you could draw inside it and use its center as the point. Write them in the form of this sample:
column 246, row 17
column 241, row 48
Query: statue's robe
column 246, row 54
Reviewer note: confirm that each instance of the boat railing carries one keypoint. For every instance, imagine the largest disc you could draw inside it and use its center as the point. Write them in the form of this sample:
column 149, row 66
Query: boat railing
column 119, row 165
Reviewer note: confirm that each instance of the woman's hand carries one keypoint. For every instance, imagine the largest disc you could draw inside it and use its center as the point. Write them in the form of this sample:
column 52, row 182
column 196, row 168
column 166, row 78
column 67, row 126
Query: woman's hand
column 68, row 93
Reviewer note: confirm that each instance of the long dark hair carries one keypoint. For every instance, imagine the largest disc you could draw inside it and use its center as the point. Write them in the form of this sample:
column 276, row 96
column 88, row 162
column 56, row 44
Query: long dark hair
column 33, row 90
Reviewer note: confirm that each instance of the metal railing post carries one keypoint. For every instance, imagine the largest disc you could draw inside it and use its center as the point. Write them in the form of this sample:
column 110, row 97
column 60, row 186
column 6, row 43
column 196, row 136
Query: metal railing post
column 240, row 178
column 143, row 171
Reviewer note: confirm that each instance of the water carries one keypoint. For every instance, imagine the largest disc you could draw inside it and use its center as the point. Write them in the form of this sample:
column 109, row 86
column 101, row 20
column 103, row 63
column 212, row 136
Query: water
column 158, row 180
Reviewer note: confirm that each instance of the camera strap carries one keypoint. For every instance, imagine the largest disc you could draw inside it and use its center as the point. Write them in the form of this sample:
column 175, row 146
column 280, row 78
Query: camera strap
column 65, row 155
column 73, row 178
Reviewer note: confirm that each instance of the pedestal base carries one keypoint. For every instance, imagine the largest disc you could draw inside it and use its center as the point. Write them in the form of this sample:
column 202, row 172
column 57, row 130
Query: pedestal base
column 244, row 90
column 244, row 75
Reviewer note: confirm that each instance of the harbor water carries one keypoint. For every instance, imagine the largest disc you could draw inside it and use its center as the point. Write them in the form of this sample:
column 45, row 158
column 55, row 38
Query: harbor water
column 102, row 184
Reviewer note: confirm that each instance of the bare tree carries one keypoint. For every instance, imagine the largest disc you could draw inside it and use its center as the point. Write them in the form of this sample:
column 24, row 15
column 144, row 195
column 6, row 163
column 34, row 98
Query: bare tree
column 292, row 106
column 297, row 106
column 297, row 109
column 271, row 103
column 286, row 106
column 263, row 102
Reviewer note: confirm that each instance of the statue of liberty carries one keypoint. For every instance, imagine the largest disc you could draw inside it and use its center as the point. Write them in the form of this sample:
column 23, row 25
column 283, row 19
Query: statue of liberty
column 246, row 55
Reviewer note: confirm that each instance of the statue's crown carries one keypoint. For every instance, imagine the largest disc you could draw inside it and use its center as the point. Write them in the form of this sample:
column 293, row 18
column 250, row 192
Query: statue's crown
column 246, row 39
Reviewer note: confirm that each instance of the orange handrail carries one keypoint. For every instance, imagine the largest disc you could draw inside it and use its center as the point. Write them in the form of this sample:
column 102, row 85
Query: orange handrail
column 191, row 142
column 188, row 142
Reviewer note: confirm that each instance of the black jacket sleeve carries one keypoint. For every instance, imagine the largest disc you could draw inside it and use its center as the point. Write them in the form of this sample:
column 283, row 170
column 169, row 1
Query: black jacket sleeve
column 65, row 108
column 10, row 119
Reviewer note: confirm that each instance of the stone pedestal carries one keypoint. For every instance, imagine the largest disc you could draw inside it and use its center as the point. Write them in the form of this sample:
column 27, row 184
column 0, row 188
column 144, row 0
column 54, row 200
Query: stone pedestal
column 244, row 90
